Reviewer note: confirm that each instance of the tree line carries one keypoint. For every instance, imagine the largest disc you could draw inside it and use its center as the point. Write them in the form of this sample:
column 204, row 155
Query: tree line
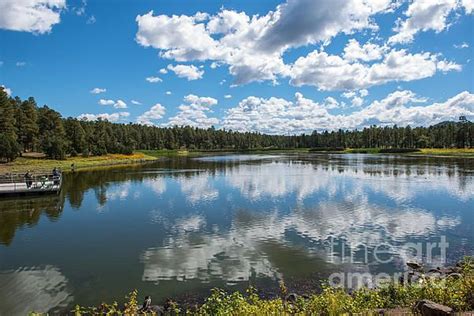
column 26, row 127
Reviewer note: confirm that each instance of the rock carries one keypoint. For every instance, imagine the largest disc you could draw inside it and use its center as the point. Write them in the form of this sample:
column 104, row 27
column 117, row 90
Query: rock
column 414, row 265
column 449, row 270
column 434, row 275
column 292, row 297
column 455, row 275
column 158, row 310
column 429, row 308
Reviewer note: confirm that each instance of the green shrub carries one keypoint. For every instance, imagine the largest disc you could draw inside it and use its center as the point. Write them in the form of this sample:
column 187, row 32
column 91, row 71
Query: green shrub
column 458, row 293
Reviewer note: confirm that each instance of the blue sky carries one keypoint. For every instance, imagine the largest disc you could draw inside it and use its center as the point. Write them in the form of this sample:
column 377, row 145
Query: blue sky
column 285, row 66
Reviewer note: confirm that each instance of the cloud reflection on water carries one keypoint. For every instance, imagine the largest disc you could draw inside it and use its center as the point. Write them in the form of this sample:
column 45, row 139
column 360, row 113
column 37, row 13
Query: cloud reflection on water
column 345, row 209
column 33, row 289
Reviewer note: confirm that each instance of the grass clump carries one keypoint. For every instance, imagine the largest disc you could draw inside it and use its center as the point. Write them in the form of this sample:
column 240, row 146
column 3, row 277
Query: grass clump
column 362, row 150
column 456, row 152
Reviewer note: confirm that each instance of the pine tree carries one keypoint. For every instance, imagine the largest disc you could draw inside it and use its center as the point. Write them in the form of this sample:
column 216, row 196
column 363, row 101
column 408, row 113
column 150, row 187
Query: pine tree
column 76, row 136
column 27, row 125
column 53, row 137
column 7, row 115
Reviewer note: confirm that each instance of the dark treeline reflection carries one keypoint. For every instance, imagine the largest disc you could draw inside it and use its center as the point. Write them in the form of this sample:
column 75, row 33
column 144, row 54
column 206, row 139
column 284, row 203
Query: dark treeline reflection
column 17, row 213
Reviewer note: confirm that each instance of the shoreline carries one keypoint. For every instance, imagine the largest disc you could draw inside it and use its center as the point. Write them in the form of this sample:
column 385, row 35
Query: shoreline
column 423, row 152
column 445, row 290
column 23, row 164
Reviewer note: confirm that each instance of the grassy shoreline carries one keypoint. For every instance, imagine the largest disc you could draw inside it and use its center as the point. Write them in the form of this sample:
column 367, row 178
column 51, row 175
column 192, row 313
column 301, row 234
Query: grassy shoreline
column 22, row 164
column 424, row 152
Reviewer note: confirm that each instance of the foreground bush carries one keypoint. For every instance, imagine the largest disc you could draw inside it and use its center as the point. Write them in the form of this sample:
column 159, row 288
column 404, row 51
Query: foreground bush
column 456, row 292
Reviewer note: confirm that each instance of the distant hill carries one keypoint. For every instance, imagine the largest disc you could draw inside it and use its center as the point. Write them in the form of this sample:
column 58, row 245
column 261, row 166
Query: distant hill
column 448, row 123
column 445, row 123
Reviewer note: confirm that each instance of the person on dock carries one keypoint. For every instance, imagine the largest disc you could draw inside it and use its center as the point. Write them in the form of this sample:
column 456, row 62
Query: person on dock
column 56, row 176
column 28, row 179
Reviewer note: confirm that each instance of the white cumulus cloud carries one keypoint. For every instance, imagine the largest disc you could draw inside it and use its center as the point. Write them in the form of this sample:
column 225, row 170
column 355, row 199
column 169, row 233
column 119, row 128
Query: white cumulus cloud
column 302, row 115
column 461, row 45
column 367, row 52
column 252, row 46
column 189, row 72
column 194, row 112
column 153, row 79
column 106, row 102
column 332, row 72
column 98, row 90
column 425, row 15
column 156, row 112
column 35, row 16
column 445, row 66
column 119, row 104
column 111, row 117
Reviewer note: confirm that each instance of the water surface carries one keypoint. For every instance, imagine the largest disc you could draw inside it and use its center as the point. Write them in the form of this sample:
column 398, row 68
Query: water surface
column 180, row 227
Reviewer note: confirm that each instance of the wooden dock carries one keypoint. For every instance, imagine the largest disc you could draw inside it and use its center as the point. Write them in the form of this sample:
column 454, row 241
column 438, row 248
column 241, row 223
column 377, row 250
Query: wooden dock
column 16, row 184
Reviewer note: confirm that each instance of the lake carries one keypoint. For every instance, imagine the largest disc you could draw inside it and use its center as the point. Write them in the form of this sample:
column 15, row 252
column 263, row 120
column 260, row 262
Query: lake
column 179, row 227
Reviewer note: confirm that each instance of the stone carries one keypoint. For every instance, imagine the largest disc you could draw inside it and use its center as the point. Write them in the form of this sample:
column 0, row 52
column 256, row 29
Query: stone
column 414, row 265
column 292, row 297
column 455, row 275
column 434, row 275
column 429, row 308
column 157, row 309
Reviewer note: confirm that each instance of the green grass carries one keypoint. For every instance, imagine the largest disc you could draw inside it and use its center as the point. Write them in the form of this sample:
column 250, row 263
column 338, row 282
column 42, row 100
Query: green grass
column 444, row 152
column 362, row 150
column 455, row 152
column 22, row 164
column 158, row 153
column 456, row 293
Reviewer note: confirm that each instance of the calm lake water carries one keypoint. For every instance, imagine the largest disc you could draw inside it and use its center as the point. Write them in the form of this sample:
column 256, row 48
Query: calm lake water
column 180, row 227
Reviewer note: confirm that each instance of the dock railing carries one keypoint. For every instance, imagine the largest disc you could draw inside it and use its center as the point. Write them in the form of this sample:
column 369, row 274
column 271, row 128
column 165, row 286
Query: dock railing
column 41, row 182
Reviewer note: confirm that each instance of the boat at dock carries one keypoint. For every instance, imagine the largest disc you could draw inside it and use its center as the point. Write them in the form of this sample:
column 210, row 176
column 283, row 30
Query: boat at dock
column 30, row 184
